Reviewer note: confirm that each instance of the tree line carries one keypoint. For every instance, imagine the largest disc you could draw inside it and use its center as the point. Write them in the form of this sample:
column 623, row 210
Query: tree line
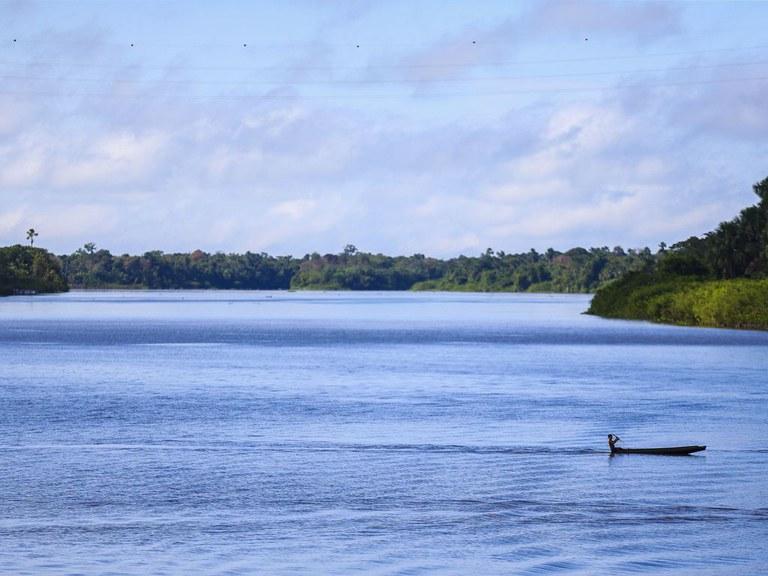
column 720, row 279
column 736, row 249
column 24, row 269
column 577, row 270
column 91, row 268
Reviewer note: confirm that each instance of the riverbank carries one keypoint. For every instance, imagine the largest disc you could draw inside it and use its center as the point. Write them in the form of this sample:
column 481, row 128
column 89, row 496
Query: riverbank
column 688, row 301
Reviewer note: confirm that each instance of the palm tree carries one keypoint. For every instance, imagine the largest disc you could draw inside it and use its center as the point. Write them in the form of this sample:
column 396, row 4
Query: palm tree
column 31, row 236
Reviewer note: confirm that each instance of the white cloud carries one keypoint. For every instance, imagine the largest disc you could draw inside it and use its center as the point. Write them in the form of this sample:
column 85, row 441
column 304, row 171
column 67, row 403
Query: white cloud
column 467, row 243
column 12, row 221
column 222, row 230
column 588, row 127
column 556, row 220
column 23, row 158
column 274, row 123
column 12, row 115
column 114, row 159
column 58, row 221
column 23, row 170
column 293, row 209
column 176, row 168
column 285, row 221
column 79, row 220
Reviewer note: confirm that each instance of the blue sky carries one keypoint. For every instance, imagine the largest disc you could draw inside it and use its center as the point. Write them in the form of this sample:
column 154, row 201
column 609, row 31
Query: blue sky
column 401, row 127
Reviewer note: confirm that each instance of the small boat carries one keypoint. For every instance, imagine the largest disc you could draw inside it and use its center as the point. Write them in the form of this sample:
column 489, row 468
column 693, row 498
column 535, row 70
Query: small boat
column 671, row 451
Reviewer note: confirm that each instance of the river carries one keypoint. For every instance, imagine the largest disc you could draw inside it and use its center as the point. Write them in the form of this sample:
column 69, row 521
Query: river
column 380, row 433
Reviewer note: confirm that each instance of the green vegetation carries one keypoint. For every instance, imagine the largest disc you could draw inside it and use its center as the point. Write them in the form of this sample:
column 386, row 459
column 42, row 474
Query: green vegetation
column 91, row 268
column 577, row 270
column 24, row 269
column 736, row 303
column 718, row 280
column 353, row 270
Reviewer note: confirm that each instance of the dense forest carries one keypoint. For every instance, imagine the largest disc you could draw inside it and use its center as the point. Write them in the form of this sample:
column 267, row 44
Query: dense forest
column 718, row 280
column 91, row 268
column 24, row 269
column 578, row 270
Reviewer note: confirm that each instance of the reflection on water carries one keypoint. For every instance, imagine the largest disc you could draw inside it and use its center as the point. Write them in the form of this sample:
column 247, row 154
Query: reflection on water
column 286, row 433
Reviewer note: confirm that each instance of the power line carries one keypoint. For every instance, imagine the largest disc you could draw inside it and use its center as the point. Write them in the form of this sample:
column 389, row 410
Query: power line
column 403, row 65
column 374, row 81
column 412, row 94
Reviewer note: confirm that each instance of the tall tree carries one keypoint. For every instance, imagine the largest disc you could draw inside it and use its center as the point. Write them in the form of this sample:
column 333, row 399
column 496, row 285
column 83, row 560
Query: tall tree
column 31, row 236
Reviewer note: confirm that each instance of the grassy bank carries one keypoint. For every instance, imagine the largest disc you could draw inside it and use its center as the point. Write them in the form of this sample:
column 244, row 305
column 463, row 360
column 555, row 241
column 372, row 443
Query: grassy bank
column 690, row 301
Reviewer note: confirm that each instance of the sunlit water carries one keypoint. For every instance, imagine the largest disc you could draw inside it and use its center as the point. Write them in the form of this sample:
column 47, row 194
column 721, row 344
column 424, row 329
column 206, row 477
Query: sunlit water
column 313, row 433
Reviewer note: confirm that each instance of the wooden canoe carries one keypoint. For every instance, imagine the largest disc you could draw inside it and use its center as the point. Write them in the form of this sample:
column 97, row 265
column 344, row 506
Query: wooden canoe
column 671, row 451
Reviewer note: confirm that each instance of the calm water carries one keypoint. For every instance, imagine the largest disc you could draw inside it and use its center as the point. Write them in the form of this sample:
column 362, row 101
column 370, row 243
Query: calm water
column 282, row 433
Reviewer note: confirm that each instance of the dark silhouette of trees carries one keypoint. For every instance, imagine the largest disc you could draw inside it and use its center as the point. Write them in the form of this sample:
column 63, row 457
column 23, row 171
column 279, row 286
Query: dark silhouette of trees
column 735, row 249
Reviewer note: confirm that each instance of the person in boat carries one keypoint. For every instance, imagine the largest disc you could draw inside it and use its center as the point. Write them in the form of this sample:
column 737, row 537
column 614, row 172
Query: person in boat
column 612, row 442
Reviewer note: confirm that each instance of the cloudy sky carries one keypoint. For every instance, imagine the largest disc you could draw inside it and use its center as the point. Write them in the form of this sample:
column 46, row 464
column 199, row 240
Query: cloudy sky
column 401, row 127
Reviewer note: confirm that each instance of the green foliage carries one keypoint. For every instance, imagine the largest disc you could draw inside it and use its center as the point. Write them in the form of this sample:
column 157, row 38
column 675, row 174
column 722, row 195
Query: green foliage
column 87, row 268
column 737, row 248
column 28, row 269
column 683, row 264
column 354, row 270
column 719, row 280
column 577, row 270
column 670, row 299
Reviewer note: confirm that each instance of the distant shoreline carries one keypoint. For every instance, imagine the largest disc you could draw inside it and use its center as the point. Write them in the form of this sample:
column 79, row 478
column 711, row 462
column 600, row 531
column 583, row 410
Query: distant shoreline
column 302, row 290
column 576, row 271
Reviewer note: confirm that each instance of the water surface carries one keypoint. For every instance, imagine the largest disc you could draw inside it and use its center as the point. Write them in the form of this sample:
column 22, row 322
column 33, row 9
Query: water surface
column 332, row 433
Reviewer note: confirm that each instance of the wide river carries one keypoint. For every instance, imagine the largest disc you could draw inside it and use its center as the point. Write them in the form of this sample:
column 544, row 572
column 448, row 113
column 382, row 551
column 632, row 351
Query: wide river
column 377, row 433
